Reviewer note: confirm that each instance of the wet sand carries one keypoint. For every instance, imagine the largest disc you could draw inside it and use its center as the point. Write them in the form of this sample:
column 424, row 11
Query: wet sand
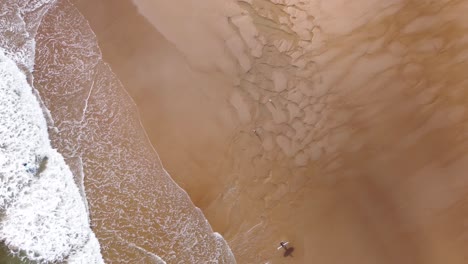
column 344, row 133
column 173, row 98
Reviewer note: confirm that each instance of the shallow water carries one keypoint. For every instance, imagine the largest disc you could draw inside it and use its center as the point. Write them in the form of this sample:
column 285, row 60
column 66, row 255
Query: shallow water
column 7, row 258
column 138, row 213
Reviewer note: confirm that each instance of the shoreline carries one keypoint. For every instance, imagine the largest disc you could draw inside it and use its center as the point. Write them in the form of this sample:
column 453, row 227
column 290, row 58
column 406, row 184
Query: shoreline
column 192, row 118
column 154, row 196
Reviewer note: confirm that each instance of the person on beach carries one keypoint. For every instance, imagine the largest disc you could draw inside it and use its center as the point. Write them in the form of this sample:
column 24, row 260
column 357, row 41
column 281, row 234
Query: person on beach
column 283, row 245
column 287, row 250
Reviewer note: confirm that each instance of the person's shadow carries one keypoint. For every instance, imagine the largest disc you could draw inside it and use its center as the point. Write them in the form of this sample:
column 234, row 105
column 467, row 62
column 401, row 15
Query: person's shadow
column 288, row 252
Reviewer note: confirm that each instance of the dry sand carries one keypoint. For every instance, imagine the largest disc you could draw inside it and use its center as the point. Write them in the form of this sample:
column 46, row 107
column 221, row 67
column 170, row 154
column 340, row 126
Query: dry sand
column 337, row 126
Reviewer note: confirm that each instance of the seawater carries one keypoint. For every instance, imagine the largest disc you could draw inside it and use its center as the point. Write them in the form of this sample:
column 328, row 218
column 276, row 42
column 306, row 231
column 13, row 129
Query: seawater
column 136, row 211
column 38, row 196
column 43, row 216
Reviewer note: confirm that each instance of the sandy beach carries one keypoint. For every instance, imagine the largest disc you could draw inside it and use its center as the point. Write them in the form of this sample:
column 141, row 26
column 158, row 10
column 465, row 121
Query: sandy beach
column 338, row 127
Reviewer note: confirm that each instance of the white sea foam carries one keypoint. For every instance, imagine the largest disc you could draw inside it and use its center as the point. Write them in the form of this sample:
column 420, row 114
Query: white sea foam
column 19, row 21
column 43, row 214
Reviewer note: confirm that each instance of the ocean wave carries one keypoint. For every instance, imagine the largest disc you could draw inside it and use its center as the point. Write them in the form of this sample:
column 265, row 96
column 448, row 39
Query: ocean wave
column 43, row 215
column 139, row 214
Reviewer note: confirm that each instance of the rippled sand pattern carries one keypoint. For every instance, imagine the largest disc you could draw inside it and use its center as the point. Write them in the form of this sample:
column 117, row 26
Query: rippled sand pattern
column 137, row 211
column 369, row 122
column 348, row 135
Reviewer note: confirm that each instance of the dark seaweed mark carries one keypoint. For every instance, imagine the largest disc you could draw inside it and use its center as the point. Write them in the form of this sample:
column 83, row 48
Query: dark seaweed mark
column 42, row 165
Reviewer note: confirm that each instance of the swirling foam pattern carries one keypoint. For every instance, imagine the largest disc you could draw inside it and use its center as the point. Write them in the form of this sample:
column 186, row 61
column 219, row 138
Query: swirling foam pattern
column 44, row 216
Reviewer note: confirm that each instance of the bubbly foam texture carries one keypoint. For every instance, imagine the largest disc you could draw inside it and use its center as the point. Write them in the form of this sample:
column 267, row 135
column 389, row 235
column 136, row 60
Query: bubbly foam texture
column 44, row 215
column 18, row 23
column 139, row 214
